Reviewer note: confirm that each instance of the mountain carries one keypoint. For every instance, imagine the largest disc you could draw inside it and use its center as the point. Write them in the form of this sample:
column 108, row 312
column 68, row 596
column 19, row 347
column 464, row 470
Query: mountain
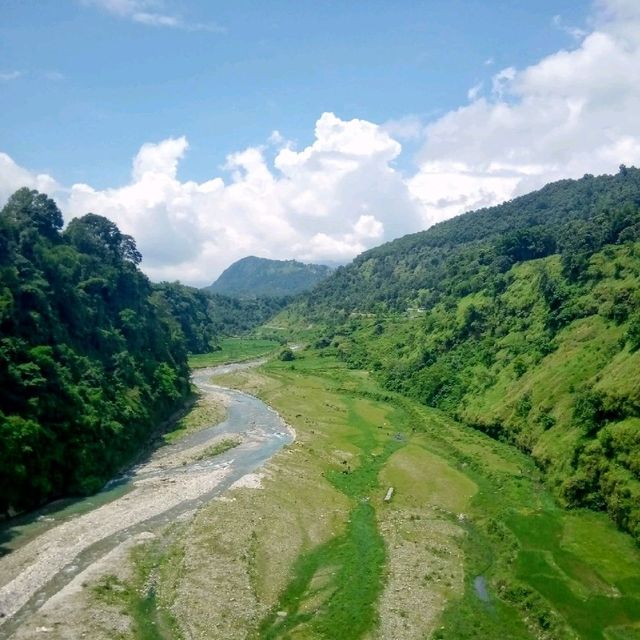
column 251, row 277
column 521, row 320
column 453, row 257
column 202, row 318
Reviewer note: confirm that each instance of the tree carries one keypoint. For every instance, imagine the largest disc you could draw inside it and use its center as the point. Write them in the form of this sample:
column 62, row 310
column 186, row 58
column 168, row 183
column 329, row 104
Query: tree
column 97, row 236
column 286, row 355
column 28, row 208
column 88, row 363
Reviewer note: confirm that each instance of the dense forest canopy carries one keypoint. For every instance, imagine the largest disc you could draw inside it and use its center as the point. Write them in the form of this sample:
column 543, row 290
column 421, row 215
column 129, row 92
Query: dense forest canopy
column 455, row 257
column 522, row 320
column 251, row 277
column 90, row 360
column 203, row 317
column 92, row 355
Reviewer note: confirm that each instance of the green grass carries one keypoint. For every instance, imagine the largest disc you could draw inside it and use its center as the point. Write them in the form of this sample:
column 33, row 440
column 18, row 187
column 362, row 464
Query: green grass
column 550, row 573
column 420, row 477
column 145, row 597
column 234, row 350
column 218, row 448
column 346, row 573
column 349, row 568
column 565, row 572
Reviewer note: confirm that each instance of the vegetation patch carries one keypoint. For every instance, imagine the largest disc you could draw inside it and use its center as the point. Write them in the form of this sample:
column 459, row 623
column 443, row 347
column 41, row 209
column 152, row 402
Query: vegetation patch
column 218, row 448
column 147, row 596
column 234, row 350
column 206, row 412
column 471, row 545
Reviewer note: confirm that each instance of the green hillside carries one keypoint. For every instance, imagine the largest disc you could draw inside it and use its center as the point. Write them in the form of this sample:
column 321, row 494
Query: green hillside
column 522, row 320
column 205, row 318
column 456, row 257
column 252, row 277
column 90, row 359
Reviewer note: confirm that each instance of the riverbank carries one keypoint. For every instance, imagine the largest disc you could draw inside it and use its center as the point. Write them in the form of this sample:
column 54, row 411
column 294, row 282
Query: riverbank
column 172, row 483
column 470, row 545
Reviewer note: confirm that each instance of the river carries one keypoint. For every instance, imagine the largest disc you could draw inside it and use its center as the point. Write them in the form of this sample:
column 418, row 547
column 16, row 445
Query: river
column 48, row 549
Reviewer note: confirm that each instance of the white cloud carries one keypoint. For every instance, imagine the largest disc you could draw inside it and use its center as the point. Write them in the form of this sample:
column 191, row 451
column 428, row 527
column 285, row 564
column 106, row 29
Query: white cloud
column 501, row 81
column 152, row 13
column 7, row 76
column 328, row 201
column 575, row 32
column 407, row 128
column 475, row 91
column 12, row 177
column 573, row 112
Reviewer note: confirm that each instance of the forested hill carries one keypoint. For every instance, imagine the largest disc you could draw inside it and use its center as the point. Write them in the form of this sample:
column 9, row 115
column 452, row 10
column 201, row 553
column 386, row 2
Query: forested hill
column 252, row 277
column 91, row 358
column 204, row 317
column 523, row 321
column 571, row 217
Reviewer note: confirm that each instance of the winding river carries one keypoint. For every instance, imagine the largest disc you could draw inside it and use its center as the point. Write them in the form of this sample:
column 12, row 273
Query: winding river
column 46, row 550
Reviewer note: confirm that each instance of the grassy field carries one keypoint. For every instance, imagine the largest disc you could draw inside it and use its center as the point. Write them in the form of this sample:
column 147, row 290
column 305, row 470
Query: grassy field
column 470, row 546
column 544, row 577
column 234, row 350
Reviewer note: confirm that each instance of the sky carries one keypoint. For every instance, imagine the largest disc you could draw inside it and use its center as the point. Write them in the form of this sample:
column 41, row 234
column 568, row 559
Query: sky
column 302, row 129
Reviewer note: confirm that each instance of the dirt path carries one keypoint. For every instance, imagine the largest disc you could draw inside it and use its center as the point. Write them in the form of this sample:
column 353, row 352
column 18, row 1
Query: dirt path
column 174, row 481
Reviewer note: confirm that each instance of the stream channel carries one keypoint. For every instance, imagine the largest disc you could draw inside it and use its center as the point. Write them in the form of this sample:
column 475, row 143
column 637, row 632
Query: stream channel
column 44, row 551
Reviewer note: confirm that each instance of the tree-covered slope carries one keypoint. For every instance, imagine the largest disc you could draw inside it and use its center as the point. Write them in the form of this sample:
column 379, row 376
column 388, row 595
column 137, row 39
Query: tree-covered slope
column 530, row 332
column 90, row 358
column 202, row 318
column 252, row 277
column 455, row 257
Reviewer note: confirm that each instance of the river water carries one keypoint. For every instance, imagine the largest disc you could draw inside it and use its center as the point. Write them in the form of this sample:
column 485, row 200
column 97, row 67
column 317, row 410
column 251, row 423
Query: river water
column 47, row 549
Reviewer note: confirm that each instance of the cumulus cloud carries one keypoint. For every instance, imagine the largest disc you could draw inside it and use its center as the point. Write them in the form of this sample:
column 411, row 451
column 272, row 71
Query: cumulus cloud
column 329, row 201
column 13, row 176
column 573, row 112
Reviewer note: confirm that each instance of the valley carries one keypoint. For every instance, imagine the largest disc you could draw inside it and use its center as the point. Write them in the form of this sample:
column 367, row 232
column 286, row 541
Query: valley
column 320, row 321
column 49, row 555
column 471, row 545
column 466, row 408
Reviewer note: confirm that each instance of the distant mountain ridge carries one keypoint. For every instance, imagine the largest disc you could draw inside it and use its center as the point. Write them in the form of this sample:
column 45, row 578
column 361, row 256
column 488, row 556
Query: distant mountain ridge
column 253, row 276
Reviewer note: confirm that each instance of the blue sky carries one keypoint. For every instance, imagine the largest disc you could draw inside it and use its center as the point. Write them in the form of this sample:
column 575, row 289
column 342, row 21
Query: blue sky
column 95, row 84
column 312, row 130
